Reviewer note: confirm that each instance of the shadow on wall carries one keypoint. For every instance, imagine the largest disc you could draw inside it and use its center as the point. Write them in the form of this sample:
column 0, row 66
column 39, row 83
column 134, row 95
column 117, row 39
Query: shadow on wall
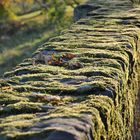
column 82, row 11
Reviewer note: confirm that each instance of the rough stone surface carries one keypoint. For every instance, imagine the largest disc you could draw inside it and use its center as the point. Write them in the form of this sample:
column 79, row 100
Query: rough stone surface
column 81, row 85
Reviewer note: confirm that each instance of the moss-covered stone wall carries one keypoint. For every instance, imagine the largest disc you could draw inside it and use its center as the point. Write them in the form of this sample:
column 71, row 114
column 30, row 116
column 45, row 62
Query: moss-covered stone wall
column 81, row 85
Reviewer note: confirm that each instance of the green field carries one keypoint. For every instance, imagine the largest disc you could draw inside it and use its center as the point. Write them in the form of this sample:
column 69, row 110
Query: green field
column 34, row 29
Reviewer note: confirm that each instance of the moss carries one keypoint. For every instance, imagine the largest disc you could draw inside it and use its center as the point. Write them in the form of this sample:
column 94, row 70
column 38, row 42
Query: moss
column 21, row 107
column 104, row 88
column 7, row 98
column 17, row 117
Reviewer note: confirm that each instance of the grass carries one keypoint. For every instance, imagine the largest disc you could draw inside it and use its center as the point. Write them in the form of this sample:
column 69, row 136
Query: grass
column 35, row 31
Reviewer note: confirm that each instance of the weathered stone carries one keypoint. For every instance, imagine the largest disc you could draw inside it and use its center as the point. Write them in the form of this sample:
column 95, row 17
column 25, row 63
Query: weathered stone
column 87, row 87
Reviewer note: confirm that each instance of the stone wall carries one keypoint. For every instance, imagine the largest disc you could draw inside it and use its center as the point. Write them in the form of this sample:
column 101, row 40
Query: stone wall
column 81, row 85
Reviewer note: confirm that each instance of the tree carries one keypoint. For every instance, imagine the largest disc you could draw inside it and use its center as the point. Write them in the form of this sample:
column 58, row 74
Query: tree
column 56, row 8
column 5, row 11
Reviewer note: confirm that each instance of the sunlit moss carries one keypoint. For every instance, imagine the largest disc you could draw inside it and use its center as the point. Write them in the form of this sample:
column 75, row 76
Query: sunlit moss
column 103, row 89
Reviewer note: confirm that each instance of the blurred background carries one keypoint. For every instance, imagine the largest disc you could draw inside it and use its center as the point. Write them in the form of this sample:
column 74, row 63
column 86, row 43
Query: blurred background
column 26, row 24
